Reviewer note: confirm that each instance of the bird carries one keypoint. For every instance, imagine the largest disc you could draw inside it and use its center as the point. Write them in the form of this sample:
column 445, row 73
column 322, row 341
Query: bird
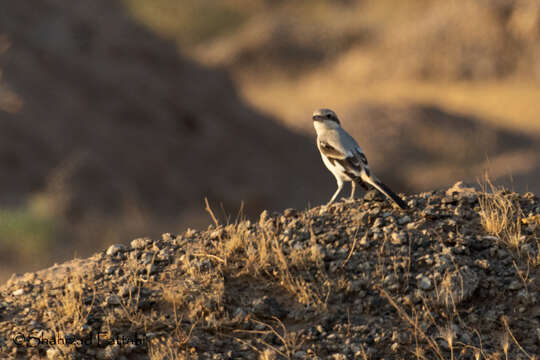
column 342, row 155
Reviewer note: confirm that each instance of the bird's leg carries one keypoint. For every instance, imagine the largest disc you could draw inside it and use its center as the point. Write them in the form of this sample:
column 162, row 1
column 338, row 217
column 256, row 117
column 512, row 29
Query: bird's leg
column 340, row 186
column 353, row 188
column 364, row 185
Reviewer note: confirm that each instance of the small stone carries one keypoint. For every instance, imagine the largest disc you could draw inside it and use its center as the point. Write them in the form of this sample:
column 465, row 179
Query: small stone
column 398, row 238
column 113, row 300
column 458, row 286
column 216, row 234
column 411, row 226
column 460, row 188
column 490, row 238
column 482, row 263
column 515, row 285
column 140, row 243
column 126, row 290
column 268, row 306
column 372, row 195
column 147, row 258
column 239, row 314
column 378, row 223
column 54, row 354
column 109, row 270
column 18, row 292
column 85, row 330
column 364, row 241
column 109, row 353
column 290, row 212
column 168, row 237
column 115, row 249
column 152, row 269
column 425, row 283
column 389, row 279
column 404, row 220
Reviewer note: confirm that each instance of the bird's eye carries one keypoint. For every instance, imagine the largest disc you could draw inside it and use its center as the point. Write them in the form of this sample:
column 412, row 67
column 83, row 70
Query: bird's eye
column 329, row 116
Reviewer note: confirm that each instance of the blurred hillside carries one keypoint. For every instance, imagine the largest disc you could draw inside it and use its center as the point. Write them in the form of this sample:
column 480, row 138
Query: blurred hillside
column 117, row 118
column 116, row 135
column 465, row 74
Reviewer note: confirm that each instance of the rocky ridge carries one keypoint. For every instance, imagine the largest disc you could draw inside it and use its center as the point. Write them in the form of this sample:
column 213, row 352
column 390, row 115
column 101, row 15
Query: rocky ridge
column 357, row 279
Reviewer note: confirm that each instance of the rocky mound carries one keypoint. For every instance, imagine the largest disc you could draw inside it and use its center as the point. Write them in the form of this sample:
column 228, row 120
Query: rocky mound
column 456, row 276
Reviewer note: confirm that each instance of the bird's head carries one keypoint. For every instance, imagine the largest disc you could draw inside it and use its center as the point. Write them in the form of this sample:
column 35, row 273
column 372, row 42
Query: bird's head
column 325, row 117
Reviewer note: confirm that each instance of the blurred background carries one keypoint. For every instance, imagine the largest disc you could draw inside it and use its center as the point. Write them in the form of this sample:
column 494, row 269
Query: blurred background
column 118, row 117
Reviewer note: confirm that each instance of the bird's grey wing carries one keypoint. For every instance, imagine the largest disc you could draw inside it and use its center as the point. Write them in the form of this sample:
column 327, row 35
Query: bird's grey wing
column 351, row 160
column 330, row 151
column 349, row 143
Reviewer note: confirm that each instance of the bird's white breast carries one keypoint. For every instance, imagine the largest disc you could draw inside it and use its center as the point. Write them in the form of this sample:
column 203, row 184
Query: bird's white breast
column 336, row 169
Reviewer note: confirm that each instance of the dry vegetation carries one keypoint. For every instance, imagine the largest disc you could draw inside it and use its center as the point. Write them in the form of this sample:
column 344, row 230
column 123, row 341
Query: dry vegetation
column 354, row 280
column 376, row 62
column 501, row 216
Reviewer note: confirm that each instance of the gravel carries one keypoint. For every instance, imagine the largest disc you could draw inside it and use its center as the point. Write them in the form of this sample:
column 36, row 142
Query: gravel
column 363, row 279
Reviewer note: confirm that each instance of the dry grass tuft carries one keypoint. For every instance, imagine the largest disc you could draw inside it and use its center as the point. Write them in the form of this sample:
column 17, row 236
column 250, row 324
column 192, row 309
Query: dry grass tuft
column 500, row 215
column 257, row 250
column 68, row 309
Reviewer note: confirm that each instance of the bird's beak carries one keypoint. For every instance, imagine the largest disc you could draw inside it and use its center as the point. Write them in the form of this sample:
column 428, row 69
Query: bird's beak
column 317, row 117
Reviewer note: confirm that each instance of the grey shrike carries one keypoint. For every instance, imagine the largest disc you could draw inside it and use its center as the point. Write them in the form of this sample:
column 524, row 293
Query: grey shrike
column 344, row 158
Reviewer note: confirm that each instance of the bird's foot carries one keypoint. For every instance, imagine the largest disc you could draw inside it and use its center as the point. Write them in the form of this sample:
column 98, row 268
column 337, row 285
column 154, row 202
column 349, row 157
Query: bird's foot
column 323, row 209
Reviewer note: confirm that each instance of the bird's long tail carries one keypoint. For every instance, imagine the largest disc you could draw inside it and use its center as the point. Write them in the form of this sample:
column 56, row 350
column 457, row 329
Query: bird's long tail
column 379, row 185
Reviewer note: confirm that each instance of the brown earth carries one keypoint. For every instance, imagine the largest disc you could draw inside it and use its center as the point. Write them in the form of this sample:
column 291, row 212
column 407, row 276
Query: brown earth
column 108, row 131
column 453, row 277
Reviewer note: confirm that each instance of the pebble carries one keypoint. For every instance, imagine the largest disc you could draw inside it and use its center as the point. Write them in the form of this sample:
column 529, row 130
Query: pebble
column 113, row 300
column 111, row 352
column 18, row 292
column 290, row 212
column 515, row 285
column 216, row 234
column 140, row 243
column 404, row 220
column 147, row 258
column 398, row 238
column 425, row 283
column 54, row 354
column 339, row 283
column 168, row 237
column 115, row 249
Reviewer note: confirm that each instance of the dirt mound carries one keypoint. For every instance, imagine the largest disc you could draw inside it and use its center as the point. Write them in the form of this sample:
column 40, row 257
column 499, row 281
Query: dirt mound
column 454, row 276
